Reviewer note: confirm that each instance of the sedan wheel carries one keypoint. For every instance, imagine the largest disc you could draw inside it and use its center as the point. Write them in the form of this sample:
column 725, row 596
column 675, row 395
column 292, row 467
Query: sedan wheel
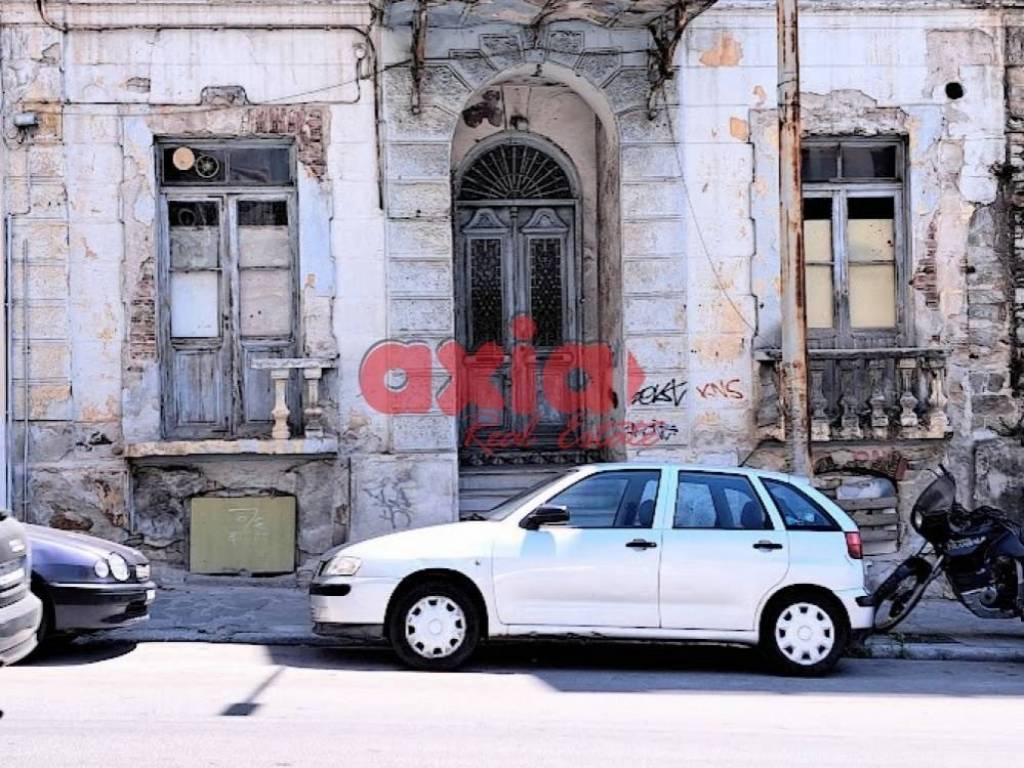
column 804, row 635
column 434, row 626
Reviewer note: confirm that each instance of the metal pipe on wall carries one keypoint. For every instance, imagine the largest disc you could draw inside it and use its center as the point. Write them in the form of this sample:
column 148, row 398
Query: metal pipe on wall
column 793, row 369
column 8, row 337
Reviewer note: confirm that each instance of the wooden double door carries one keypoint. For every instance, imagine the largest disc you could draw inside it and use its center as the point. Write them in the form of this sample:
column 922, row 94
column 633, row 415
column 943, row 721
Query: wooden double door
column 518, row 295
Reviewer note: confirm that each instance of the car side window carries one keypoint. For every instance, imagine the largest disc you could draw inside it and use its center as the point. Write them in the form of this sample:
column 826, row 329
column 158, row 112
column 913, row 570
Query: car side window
column 799, row 511
column 729, row 502
column 615, row 499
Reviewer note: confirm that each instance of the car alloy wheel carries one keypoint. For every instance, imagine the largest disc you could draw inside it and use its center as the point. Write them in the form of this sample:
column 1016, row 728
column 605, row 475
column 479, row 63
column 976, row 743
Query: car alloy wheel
column 805, row 634
column 435, row 627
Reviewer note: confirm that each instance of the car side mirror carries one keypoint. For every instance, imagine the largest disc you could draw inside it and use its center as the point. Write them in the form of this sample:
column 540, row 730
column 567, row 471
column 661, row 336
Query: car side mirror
column 546, row 515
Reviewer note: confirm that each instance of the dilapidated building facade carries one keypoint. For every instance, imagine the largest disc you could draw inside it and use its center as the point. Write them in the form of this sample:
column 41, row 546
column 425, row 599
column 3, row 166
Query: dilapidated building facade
column 244, row 239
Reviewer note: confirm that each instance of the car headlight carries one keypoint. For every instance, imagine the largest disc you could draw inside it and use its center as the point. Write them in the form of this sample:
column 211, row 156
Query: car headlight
column 341, row 565
column 101, row 568
column 118, row 567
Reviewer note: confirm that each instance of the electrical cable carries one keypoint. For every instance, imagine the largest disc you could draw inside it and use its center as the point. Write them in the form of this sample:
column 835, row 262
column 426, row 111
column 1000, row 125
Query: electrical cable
column 720, row 284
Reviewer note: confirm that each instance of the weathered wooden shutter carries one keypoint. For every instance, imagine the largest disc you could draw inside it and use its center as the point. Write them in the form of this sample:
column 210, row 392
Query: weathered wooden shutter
column 264, row 240
column 197, row 370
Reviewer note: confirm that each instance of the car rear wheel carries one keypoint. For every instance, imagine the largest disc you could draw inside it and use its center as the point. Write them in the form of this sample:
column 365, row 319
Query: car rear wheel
column 804, row 634
column 434, row 626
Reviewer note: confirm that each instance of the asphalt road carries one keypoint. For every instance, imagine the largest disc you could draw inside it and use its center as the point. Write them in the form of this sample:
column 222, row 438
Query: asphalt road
column 191, row 705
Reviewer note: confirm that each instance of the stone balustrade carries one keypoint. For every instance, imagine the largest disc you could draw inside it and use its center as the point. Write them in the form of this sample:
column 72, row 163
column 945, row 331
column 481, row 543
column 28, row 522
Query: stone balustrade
column 311, row 370
column 864, row 394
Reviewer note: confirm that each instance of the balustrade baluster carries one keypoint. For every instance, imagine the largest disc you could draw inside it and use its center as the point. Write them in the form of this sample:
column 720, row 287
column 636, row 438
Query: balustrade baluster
column 850, row 402
column 821, row 428
column 313, row 413
column 879, row 418
column 908, row 400
column 938, row 420
column 280, row 412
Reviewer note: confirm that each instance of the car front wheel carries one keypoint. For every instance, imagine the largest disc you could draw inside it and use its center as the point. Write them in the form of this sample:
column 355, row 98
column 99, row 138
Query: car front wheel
column 804, row 635
column 434, row 626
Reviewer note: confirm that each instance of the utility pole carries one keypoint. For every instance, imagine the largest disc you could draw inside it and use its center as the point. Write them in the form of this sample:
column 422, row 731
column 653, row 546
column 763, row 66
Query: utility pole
column 793, row 370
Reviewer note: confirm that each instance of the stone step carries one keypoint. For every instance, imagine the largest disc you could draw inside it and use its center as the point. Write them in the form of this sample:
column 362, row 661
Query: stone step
column 518, row 479
column 483, row 488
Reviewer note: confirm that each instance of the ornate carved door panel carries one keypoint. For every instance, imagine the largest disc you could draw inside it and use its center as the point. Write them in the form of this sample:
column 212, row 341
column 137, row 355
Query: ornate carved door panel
column 518, row 288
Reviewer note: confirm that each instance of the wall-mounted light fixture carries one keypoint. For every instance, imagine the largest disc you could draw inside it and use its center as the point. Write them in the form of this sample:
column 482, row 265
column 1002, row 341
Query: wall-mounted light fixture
column 25, row 120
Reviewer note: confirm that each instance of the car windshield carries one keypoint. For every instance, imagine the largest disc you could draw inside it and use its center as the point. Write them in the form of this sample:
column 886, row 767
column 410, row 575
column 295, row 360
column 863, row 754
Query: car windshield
column 509, row 506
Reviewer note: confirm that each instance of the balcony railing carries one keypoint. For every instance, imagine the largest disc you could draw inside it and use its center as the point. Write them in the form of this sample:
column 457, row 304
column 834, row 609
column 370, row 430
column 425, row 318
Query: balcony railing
column 311, row 370
column 864, row 394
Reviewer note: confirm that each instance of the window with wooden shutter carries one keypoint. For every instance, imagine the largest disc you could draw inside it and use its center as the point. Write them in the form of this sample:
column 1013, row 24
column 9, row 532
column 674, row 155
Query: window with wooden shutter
column 227, row 283
column 854, row 242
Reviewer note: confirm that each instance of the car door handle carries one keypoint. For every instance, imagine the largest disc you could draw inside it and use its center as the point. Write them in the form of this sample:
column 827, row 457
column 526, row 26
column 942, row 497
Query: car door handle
column 767, row 546
column 641, row 544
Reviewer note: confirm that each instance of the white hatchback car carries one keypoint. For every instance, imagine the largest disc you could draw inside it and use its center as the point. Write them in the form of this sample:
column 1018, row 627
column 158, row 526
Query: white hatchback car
column 614, row 551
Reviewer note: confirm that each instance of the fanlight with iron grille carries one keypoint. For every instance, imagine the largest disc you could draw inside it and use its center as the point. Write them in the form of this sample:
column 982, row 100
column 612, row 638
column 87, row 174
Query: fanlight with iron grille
column 515, row 172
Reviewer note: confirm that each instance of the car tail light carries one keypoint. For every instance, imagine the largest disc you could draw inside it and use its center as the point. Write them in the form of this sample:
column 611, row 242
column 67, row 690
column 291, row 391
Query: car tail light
column 854, row 546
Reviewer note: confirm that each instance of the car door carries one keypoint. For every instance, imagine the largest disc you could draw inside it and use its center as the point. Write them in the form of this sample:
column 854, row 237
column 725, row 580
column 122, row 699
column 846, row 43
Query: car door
column 722, row 552
column 599, row 570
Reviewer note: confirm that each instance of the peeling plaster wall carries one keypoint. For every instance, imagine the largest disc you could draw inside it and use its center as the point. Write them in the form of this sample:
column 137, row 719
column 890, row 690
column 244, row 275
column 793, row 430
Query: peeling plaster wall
column 165, row 488
column 687, row 242
column 640, row 216
column 84, row 192
column 864, row 73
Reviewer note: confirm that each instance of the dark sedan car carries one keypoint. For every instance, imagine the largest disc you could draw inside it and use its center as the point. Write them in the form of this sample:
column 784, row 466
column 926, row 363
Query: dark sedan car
column 86, row 583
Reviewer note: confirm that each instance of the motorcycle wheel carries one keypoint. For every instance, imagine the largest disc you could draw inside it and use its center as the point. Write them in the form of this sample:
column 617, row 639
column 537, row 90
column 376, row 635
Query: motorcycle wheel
column 896, row 597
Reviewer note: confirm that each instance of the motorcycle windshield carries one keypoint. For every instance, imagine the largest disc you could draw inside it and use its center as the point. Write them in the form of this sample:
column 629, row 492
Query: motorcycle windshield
column 940, row 495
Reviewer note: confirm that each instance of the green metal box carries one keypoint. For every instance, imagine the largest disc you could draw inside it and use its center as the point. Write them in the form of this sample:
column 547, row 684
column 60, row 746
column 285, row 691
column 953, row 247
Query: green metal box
column 254, row 534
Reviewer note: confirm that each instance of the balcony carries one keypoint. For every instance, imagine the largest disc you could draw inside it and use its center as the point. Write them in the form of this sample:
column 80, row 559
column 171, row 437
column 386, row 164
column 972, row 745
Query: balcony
column 888, row 393
column 311, row 438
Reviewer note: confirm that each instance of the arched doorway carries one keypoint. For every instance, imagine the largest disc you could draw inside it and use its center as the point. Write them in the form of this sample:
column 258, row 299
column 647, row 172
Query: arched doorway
column 518, row 291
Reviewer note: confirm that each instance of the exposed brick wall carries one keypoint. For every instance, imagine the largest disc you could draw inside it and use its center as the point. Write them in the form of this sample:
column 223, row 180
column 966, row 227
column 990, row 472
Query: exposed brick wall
column 306, row 124
column 142, row 315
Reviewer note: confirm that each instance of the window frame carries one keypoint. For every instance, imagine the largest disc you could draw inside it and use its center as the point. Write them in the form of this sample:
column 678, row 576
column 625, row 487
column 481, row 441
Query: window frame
column 659, row 490
column 233, row 347
column 755, row 493
column 843, row 335
column 835, row 527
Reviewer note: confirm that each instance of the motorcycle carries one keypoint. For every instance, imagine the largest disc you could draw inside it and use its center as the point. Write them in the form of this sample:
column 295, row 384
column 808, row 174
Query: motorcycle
column 980, row 551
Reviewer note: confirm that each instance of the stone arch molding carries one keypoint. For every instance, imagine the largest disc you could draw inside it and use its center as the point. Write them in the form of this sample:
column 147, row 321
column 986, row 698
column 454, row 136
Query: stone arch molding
column 416, row 158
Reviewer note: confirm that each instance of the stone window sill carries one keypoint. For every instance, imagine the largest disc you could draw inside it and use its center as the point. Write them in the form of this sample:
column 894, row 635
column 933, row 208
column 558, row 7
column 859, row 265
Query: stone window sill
column 299, row 446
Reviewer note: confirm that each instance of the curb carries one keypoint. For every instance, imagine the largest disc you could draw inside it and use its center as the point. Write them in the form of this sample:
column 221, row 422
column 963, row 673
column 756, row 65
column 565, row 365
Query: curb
column 873, row 648
column 183, row 635
column 888, row 648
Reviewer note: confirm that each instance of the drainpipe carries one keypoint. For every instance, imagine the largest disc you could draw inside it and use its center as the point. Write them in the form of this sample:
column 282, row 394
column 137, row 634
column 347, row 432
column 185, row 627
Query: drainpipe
column 8, row 442
column 793, row 368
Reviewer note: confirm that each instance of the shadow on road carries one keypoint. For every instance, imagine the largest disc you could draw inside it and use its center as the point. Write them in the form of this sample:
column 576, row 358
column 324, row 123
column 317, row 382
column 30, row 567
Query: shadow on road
column 353, row 658
column 644, row 668
column 621, row 668
column 250, row 704
column 73, row 654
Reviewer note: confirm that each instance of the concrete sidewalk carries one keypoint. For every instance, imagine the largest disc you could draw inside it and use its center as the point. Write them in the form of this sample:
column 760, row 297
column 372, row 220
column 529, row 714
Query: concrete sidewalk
column 222, row 611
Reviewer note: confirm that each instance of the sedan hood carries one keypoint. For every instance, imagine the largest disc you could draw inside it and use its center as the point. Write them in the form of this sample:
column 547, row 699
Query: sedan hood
column 450, row 540
column 53, row 540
